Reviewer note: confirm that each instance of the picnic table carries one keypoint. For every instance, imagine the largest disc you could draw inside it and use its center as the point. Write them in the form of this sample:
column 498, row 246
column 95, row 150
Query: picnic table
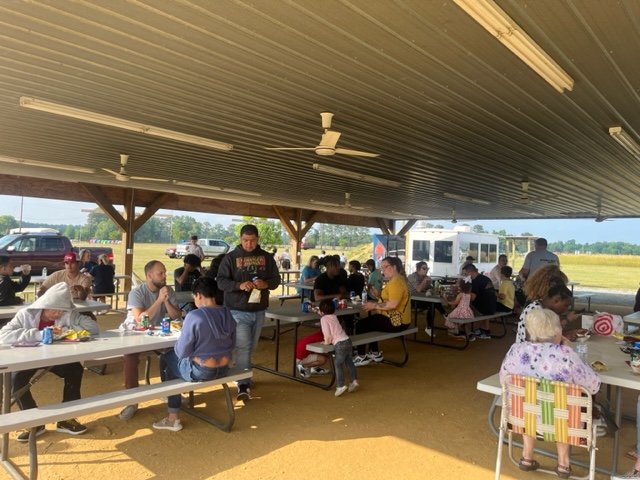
column 7, row 313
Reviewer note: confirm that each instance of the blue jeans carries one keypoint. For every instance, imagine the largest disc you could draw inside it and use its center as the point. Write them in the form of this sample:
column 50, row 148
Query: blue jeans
column 248, row 329
column 172, row 367
column 343, row 353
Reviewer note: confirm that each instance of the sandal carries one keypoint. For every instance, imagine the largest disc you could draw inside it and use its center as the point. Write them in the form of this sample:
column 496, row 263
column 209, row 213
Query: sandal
column 563, row 472
column 528, row 465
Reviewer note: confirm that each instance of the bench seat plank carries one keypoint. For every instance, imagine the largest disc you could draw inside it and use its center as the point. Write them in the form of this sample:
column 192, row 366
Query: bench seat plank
column 63, row 411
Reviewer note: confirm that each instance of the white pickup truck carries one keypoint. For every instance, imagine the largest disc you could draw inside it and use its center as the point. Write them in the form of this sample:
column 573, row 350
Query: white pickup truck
column 211, row 247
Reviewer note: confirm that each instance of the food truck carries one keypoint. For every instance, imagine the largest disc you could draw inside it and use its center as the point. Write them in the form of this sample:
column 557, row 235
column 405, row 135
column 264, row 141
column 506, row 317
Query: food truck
column 446, row 250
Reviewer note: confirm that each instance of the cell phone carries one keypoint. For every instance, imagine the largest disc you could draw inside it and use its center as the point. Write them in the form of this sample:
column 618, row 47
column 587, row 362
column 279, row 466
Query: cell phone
column 26, row 344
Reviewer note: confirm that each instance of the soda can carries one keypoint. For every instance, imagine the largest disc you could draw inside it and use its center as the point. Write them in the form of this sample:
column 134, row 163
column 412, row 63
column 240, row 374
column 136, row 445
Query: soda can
column 335, row 303
column 144, row 321
column 304, row 306
column 342, row 304
column 47, row 336
column 166, row 325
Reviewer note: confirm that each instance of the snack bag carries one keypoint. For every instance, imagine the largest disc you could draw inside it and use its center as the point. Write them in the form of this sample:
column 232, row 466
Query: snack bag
column 607, row 324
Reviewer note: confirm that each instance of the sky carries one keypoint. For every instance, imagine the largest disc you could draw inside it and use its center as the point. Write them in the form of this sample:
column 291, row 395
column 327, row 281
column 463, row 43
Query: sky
column 55, row 212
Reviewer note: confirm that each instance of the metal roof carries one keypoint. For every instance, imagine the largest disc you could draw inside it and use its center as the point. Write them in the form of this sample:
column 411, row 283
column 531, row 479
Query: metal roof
column 449, row 108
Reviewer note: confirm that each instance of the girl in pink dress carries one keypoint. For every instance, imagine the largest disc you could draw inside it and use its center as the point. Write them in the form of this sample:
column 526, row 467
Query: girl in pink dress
column 462, row 305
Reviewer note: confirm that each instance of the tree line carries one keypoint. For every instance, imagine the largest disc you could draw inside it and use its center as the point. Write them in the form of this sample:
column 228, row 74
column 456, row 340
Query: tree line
column 180, row 227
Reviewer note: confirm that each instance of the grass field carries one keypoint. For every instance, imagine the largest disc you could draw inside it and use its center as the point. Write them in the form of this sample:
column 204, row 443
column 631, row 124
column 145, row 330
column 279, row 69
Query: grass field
column 615, row 272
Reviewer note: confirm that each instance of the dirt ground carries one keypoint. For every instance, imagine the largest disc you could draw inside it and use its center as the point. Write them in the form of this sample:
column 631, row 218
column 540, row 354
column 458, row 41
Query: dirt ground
column 425, row 420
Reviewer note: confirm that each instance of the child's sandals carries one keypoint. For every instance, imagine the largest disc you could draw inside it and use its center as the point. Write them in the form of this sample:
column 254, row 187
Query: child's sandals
column 562, row 471
column 528, row 465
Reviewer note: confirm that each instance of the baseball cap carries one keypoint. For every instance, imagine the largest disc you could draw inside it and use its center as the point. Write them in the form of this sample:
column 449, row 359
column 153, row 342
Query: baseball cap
column 470, row 259
column 70, row 257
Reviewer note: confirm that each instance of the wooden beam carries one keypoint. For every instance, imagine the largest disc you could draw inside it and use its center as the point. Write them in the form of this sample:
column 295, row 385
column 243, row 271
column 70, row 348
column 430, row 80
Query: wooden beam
column 308, row 224
column 291, row 229
column 403, row 231
column 150, row 210
column 105, row 204
column 383, row 226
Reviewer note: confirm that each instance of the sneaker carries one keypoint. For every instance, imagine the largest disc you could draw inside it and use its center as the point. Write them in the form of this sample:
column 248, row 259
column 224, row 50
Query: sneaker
column 353, row 386
column 477, row 331
column 318, row 371
column 376, row 357
column 24, row 435
column 484, row 335
column 428, row 331
column 128, row 412
column 244, row 393
column 72, row 427
column 303, row 372
column 361, row 360
column 166, row 424
column 340, row 390
column 630, row 474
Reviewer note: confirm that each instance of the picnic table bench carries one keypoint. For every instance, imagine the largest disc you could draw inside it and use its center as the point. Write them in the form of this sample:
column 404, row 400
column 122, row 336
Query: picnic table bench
column 501, row 316
column 582, row 296
column 34, row 417
column 365, row 338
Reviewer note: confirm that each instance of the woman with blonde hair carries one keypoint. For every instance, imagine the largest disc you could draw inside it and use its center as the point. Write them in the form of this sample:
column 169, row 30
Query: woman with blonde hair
column 538, row 284
column 544, row 356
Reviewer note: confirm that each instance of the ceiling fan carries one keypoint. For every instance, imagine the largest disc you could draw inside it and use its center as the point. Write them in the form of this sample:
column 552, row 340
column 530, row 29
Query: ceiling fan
column 123, row 176
column 328, row 141
column 598, row 217
column 346, row 205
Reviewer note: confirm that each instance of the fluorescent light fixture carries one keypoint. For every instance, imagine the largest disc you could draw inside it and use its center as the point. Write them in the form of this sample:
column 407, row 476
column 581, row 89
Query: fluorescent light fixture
column 356, row 176
column 80, row 114
column 464, row 198
column 408, row 215
column 202, row 186
column 529, row 212
column 496, row 21
column 56, row 166
column 626, row 140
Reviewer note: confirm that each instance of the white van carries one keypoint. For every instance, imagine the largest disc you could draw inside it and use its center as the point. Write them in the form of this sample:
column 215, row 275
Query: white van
column 212, row 247
column 446, row 250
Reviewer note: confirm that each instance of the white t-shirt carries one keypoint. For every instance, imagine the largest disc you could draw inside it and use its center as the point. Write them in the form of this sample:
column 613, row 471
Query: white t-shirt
column 539, row 258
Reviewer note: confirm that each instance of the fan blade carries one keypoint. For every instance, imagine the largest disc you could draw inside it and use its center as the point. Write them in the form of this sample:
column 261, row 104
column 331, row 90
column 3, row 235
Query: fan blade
column 149, row 179
column 329, row 139
column 111, row 172
column 289, row 148
column 356, row 153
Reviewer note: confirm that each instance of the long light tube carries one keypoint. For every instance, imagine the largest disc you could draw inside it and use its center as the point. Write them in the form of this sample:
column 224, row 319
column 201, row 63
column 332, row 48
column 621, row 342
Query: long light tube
column 496, row 21
column 464, row 198
column 356, row 176
column 626, row 140
column 56, row 166
column 214, row 188
column 80, row 114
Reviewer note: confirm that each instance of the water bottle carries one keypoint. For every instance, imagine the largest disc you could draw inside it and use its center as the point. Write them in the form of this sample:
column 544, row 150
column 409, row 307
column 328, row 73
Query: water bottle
column 364, row 294
column 44, row 272
column 582, row 349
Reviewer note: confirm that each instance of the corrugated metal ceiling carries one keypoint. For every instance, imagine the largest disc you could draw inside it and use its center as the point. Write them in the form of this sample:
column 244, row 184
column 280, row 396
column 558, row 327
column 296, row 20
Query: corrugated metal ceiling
column 448, row 107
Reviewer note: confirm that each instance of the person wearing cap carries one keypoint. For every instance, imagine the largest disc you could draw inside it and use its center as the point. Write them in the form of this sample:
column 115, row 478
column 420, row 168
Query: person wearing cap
column 538, row 258
column 53, row 309
column 71, row 275
column 195, row 249
column 467, row 261
column 185, row 276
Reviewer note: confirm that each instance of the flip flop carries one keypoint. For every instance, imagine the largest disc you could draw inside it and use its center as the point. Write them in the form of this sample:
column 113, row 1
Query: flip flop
column 527, row 465
column 563, row 472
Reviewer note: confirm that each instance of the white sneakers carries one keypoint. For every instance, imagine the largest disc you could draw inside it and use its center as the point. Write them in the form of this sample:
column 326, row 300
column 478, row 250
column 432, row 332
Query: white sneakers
column 353, row 386
column 166, row 424
column 341, row 390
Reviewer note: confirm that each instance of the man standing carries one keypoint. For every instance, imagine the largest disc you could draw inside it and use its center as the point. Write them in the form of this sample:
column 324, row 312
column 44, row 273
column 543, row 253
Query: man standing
column 72, row 276
column 195, row 249
column 247, row 268
column 155, row 299
column 486, row 301
column 538, row 258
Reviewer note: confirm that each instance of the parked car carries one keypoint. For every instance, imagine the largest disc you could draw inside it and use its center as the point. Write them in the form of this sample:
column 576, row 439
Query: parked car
column 211, row 247
column 43, row 249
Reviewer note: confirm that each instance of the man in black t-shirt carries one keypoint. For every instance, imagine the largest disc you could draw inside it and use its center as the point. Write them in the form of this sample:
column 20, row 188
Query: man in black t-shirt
column 185, row 276
column 486, row 301
column 356, row 280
